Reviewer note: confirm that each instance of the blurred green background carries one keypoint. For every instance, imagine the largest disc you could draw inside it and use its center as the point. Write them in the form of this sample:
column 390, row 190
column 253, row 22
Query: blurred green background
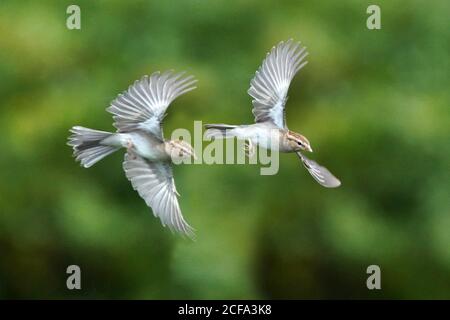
column 374, row 104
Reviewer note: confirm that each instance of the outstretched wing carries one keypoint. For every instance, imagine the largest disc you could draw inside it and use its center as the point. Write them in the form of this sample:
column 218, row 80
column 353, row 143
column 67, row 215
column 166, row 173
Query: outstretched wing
column 270, row 85
column 143, row 105
column 155, row 184
column 319, row 173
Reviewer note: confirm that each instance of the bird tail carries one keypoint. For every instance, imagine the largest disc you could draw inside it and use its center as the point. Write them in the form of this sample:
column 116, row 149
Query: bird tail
column 87, row 145
column 220, row 131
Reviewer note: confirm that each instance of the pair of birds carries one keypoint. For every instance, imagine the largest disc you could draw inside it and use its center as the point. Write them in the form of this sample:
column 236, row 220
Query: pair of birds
column 139, row 111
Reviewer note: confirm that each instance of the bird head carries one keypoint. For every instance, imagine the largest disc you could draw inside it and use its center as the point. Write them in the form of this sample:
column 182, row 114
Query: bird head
column 298, row 142
column 179, row 149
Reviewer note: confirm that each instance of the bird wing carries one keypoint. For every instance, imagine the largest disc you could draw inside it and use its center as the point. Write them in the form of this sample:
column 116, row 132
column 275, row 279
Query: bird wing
column 270, row 85
column 143, row 105
column 155, row 184
column 319, row 173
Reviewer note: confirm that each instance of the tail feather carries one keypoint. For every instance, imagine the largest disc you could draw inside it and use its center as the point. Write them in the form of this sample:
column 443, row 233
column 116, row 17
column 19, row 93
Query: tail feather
column 219, row 131
column 87, row 147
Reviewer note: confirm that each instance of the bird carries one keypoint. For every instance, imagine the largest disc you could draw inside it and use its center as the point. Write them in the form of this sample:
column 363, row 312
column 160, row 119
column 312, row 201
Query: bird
column 269, row 89
column 138, row 114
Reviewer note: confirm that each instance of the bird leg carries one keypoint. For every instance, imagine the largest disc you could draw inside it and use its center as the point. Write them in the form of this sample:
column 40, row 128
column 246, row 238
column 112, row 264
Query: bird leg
column 249, row 148
column 129, row 145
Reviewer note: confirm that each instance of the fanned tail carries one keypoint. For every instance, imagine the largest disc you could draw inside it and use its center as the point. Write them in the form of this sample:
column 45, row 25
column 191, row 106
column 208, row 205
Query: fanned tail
column 87, row 147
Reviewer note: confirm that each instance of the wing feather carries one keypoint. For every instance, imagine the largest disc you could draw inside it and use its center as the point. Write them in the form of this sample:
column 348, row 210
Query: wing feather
column 143, row 105
column 270, row 85
column 321, row 174
column 155, row 184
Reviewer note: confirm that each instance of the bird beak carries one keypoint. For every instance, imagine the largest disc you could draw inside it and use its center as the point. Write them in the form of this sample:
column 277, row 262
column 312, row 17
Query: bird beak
column 309, row 149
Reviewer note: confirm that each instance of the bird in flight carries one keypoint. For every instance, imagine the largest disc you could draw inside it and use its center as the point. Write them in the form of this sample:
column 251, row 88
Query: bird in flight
column 269, row 90
column 138, row 113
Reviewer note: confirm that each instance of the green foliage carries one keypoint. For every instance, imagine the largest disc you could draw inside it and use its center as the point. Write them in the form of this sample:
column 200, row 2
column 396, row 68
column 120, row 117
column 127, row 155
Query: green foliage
column 373, row 103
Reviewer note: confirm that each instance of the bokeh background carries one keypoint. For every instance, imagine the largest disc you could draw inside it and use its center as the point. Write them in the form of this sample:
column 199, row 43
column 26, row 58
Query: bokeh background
column 374, row 104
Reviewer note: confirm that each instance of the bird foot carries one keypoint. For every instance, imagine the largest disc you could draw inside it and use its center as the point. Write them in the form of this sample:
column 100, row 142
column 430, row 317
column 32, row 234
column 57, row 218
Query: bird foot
column 249, row 148
column 129, row 145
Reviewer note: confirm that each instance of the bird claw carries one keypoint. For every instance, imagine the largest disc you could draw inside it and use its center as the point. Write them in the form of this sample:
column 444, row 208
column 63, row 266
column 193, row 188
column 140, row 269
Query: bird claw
column 129, row 146
column 249, row 148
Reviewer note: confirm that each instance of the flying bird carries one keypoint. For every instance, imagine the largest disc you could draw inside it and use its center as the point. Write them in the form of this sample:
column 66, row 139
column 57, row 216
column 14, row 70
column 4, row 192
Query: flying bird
column 138, row 113
column 269, row 89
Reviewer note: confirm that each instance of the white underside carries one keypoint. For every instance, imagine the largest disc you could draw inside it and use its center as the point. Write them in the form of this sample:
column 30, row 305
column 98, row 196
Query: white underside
column 259, row 134
column 142, row 144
